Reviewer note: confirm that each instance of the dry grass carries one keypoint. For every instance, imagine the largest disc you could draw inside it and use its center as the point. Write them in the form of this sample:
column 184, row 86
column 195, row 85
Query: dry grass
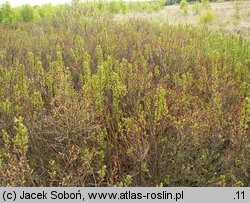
column 226, row 19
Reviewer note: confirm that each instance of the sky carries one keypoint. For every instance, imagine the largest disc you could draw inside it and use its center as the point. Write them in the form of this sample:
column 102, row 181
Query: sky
column 15, row 3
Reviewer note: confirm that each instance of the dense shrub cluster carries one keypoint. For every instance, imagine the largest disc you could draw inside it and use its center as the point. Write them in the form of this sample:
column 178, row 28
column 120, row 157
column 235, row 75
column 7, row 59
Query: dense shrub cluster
column 91, row 101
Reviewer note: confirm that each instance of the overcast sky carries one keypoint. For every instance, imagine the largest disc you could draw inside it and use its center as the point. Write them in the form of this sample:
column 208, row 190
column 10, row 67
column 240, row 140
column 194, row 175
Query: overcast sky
column 34, row 2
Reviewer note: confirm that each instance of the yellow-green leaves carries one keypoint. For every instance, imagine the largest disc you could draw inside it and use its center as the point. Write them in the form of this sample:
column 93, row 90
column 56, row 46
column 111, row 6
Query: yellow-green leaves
column 161, row 109
column 21, row 138
column 15, row 169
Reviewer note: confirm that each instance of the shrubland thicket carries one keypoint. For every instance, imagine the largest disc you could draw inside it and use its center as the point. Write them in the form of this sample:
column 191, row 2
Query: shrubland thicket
column 86, row 100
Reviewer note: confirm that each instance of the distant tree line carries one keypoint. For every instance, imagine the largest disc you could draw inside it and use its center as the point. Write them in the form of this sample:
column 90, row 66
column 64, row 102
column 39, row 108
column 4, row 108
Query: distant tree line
column 171, row 2
column 28, row 13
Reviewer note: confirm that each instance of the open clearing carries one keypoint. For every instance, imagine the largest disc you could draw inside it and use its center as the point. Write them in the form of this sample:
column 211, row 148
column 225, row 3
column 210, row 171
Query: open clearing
column 226, row 17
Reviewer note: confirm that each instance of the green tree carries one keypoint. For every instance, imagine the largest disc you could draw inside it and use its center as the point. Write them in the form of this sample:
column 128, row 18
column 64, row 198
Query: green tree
column 7, row 14
column 27, row 13
column 46, row 11
column 196, row 8
column 205, row 4
column 184, row 6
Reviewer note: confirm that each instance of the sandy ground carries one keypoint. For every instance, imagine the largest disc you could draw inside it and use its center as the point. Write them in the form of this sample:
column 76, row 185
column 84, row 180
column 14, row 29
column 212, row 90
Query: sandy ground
column 226, row 17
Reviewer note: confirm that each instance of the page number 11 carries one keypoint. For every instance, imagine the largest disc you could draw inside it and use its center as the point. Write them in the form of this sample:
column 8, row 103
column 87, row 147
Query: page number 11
column 240, row 195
